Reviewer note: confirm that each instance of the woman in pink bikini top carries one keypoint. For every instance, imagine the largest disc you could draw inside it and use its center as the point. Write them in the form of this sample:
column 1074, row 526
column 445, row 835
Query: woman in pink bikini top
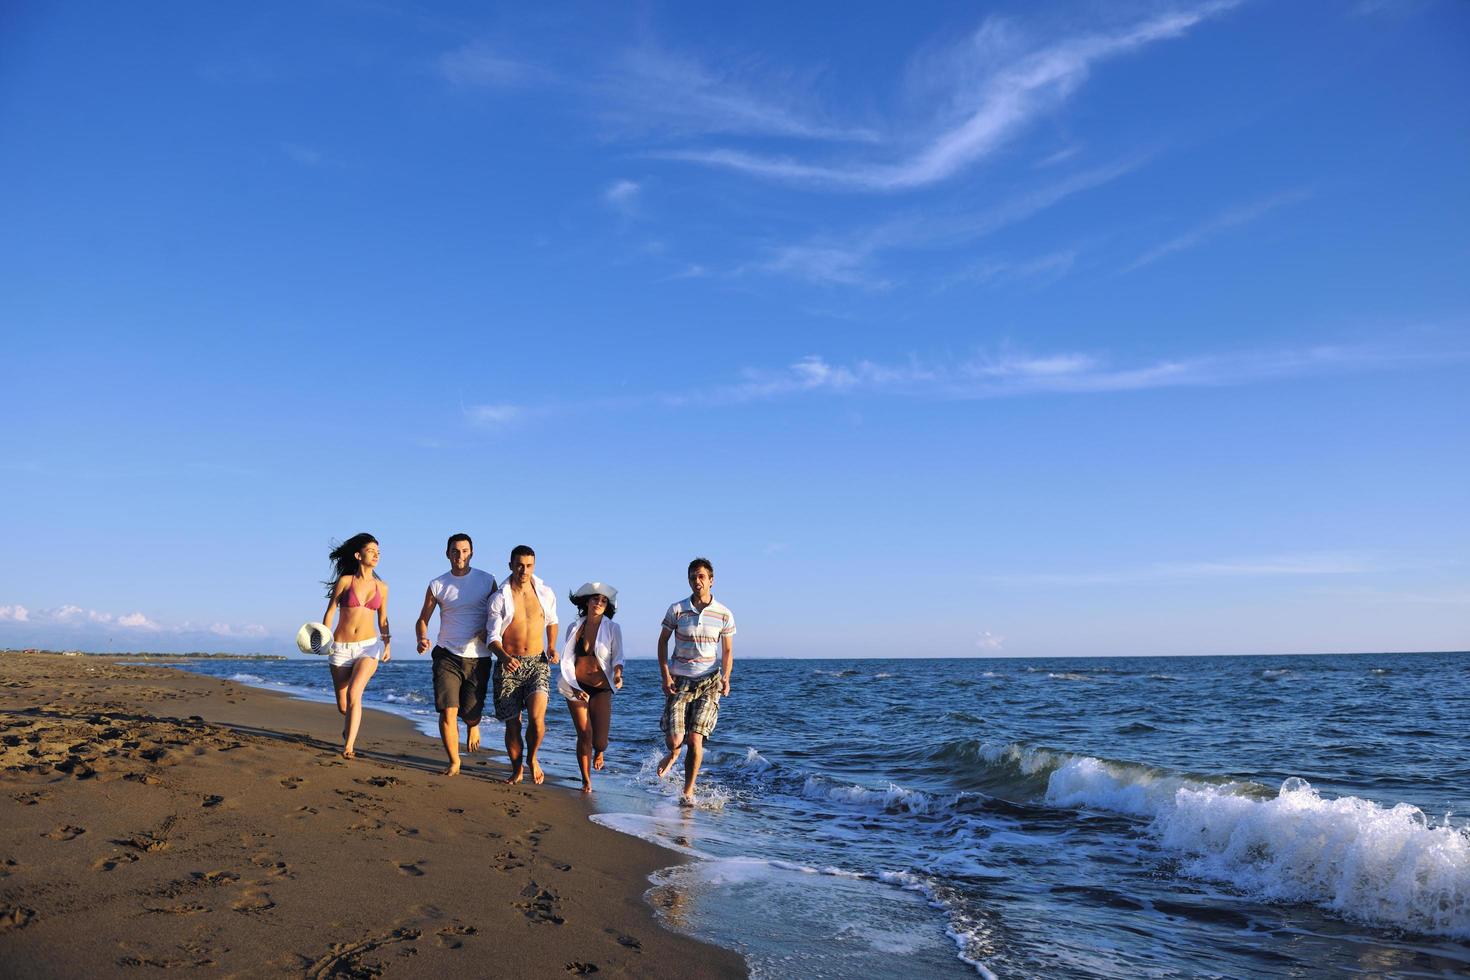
column 361, row 599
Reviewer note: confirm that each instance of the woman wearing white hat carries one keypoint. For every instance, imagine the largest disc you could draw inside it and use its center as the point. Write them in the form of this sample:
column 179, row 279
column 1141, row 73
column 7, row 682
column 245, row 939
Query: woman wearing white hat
column 591, row 669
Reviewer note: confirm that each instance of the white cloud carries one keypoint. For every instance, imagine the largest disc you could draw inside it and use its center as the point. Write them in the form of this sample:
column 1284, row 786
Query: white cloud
column 850, row 260
column 657, row 90
column 997, row 88
column 304, row 155
column 479, row 64
column 493, row 415
column 226, row 629
column 137, row 620
column 1233, row 218
column 622, row 195
column 15, row 614
column 989, row 641
column 1010, row 374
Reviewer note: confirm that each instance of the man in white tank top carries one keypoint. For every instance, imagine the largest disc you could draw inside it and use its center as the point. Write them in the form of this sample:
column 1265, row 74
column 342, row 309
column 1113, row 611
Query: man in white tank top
column 462, row 661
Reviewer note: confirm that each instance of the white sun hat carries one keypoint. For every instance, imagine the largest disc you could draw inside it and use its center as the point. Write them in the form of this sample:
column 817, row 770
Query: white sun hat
column 314, row 638
column 596, row 588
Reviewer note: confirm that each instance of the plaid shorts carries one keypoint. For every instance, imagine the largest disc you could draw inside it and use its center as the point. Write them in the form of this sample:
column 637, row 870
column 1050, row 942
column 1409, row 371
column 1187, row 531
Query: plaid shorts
column 515, row 688
column 693, row 707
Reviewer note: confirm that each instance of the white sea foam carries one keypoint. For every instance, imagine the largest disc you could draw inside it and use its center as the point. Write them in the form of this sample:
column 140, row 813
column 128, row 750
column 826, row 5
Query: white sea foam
column 990, row 673
column 1069, row 677
column 407, row 697
column 1380, row 865
column 1372, row 863
column 882, row 674
column 247, row 678
column 894, row 799
column 1273, row 674
column 1164, row 677
column 969, row 933
column 753, row 762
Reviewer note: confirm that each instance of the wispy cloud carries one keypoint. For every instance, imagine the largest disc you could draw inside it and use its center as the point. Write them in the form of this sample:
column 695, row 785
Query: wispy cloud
column 479, row 64
column 490, row 416
column 622, row 195
column 1223, row 222
column 989, row 641
column 651, row 89
column 990, row 101
column 1041, row 268
column 1012, row 374
column 72, row 617
column 851, row 259
column 1264, row 567
column 304, row 155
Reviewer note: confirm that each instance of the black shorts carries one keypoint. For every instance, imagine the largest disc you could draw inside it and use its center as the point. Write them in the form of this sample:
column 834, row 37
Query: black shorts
column 461, row 682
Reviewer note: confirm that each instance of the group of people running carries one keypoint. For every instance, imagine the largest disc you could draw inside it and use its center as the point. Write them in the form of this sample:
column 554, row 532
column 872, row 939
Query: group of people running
column 501, row 637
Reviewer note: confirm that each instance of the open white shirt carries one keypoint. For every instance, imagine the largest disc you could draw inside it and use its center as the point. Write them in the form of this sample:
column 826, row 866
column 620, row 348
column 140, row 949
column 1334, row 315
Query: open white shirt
column 503, row 608
column 607, row 648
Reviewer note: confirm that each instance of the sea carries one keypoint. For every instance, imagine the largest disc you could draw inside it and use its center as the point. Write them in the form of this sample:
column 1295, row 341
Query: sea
column 1293, row 816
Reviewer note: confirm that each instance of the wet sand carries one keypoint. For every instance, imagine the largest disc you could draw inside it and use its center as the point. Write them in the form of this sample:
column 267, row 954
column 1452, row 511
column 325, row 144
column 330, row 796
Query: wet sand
column 156, row 820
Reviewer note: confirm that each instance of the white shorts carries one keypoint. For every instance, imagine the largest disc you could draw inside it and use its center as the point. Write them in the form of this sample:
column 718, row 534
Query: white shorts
column 346, row 653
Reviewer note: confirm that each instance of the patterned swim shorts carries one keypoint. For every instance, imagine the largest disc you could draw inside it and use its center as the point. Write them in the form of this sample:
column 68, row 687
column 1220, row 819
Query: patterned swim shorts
column 515, row 688
column 693, row 707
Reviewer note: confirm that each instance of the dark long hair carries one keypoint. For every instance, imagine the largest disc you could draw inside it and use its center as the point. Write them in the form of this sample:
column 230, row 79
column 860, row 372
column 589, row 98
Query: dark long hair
column 344, row 560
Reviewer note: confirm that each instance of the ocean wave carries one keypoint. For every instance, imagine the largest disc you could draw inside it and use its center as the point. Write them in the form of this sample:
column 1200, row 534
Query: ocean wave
column 1275, row 673
column 970, row 933
column 894, row 799
column 406, row 697
column 1384, row 866
column 1164, row 677
column 1069, row 677
column 247, row 678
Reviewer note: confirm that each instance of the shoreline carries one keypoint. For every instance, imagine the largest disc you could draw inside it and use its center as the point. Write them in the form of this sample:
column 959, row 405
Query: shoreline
column 179, row 820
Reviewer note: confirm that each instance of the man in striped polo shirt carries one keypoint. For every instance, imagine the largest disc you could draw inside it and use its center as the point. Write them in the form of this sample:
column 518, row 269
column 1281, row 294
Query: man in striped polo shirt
column 696, row 678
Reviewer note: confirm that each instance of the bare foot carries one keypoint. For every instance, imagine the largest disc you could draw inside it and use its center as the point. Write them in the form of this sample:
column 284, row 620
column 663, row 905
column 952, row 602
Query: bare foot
column 452, row 769
column 586, row 787
column 516, row 775
column 472, row 740
column 687, row 799
column 667, row 763
column 598, row 762
column 537, row 776
column 349, row 754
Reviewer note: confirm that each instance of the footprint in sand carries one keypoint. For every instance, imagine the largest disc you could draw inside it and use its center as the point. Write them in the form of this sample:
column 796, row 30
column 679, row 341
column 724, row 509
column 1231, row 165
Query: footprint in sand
column 67, row 832
column 212, row 800
column 32, row 798
column 291, row 782
column 411, row 870
column 190, row 909
column 540, row 905
column 15, row 917
column 380, row 781
column 253, row 903
column 451, row 937
column 113, row 862
column 7, row 867
column 581, row 969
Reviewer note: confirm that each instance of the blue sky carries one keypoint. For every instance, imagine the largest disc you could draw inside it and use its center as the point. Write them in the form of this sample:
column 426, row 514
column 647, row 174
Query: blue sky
column 946, row 329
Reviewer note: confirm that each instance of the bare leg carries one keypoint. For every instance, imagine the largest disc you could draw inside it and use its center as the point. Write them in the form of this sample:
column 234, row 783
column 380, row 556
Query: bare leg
column 362, row 672
column 670, row 757
column 535, row 730
column 601, row 711
column 341, row 677
column 514, row 749
column 691, row 765
column 583, row 725
column 449, row 735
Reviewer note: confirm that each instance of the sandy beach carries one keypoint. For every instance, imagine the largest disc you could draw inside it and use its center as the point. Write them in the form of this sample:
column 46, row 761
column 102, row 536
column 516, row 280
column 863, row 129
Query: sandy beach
column 156, row 820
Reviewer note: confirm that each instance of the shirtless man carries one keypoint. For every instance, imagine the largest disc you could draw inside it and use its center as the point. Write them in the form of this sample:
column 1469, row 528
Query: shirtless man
column 698, row 674
column 461, row 659
column 521, row 628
